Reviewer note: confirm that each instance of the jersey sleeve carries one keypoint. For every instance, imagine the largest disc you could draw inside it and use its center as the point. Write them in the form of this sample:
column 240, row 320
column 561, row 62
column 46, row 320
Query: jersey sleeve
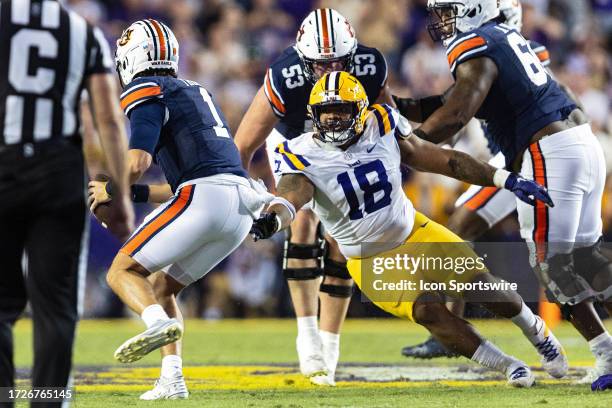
column 290, row 162
column 466, row 48
column 273, row 92
column 100, row 61
column 384, row 118
column 138, row 92
column 541, row 52
column 146, row 121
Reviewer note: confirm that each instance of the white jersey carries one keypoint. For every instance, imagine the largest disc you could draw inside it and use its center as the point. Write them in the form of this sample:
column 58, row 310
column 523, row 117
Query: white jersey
column 358, row 191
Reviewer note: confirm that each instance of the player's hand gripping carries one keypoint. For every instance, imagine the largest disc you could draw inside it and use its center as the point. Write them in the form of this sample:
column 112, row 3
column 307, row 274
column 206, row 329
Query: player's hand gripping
column 98, row 194
column 527, row 190
column 265, row 226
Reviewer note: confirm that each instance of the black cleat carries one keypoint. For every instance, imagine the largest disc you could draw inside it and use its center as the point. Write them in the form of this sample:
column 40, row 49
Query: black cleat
column 430, row 348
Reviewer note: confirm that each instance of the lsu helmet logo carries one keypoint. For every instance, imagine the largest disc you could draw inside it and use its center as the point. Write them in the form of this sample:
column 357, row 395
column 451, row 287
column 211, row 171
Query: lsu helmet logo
column 125, row 38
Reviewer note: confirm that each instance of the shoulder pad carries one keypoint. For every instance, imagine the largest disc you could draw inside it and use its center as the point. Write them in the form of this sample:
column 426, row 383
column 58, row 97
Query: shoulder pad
column 139, row 91
column 385, row 118
column 292, row 160
column 541, row 52
column 465, row 47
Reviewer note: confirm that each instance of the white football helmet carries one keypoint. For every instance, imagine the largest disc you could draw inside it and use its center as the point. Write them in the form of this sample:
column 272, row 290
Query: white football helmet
column 447, row 17
column 146, row 44
column 325, row 42
column 512, row 10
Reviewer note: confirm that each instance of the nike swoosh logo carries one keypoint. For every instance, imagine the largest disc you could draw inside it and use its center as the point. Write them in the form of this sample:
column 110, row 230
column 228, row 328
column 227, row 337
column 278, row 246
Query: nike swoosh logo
column 424, row 225
column 371, row 148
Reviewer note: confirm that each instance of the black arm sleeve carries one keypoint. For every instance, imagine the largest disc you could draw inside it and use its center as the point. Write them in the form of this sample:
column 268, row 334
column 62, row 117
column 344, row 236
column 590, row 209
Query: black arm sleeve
column 418, row 110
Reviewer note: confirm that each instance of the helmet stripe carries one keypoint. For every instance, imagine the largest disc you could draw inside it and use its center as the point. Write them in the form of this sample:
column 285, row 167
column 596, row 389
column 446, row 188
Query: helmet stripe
column 326, row 85
column 331, row 30
column 152, row 34
column 317, row 18
column 337, row 76
column 325, row 28
column 168, row 45
column 162, row 39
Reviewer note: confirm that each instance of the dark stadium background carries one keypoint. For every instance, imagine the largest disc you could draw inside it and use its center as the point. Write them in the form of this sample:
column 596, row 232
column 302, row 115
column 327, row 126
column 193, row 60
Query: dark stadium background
column 226, row 45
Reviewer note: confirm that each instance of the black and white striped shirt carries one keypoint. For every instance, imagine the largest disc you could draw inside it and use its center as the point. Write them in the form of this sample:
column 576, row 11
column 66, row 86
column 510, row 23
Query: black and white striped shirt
column 46, row 54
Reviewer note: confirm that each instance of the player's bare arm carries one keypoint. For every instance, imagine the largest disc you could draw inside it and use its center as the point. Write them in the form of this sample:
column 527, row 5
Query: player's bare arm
column 293, row 192
column 426, row 156
column 474, row 80
column 138, row 162
column 256, row 125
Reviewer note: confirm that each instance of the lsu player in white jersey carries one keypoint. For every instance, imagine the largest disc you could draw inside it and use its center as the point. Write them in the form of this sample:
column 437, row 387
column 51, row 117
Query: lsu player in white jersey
column 350, row 168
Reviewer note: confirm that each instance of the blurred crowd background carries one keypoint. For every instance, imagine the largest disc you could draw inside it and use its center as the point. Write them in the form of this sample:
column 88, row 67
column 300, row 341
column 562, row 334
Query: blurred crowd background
column 226, row 45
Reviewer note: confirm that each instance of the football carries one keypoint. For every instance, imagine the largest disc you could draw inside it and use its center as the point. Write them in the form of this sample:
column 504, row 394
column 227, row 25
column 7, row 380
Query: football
column 103, row 211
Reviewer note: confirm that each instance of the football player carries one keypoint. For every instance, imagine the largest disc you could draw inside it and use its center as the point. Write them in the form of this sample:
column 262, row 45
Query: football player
column 539, row 130
column 325, row 42
column 350, row 167
column 479, row 208
column 177, row 124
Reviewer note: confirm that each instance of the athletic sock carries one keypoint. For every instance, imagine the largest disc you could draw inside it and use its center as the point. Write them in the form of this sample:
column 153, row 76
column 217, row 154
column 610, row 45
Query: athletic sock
column 331, row 348
column 307, row 326
column 172, row 366
column 490, row 356
column 601, row 346
column 526, row 321
column 152, row 314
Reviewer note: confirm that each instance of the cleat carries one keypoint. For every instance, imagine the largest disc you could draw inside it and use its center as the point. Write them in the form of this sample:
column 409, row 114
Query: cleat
column 602, row 383
column 602, row 369
column 160, row 334
column 554, row 360
column 324, row 380
column 310, row 356
column 167, row 388
column 430, row 348
column 519, row 375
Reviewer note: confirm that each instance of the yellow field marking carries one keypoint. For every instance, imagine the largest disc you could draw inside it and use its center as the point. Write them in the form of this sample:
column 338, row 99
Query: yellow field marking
column 245, row 378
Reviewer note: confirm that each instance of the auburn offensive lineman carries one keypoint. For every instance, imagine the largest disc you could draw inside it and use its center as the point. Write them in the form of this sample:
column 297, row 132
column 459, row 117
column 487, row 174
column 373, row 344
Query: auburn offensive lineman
column 350, row 167
column 479, row 208
column 177, row 123
column 539, row 130
column 325, row 42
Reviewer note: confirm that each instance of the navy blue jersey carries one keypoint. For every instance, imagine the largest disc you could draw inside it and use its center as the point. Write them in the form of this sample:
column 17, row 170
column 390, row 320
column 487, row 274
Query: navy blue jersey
column 288, row 89
column 544, row 56
column 193, row 140
column 523, row 99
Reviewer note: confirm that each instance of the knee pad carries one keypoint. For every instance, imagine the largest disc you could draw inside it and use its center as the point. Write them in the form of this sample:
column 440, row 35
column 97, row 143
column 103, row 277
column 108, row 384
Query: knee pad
column 336, row 270
column 589, row 262
column 562, row 281
column 303, row 251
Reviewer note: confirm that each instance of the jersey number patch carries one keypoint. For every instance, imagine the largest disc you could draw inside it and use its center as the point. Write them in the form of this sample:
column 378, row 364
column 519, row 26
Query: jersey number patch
column 294, row 76
column 369, row 189
column 364, row 64
column 531, row 63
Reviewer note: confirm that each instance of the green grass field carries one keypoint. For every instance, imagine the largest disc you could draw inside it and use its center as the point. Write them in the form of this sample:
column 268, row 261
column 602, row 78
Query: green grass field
column 252, row 363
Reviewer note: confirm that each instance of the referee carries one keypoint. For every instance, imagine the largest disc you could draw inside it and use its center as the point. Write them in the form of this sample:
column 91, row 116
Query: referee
column 47, row 56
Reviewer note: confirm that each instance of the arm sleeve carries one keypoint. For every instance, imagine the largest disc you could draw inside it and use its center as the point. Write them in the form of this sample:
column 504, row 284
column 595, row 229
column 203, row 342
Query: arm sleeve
column 146, row 121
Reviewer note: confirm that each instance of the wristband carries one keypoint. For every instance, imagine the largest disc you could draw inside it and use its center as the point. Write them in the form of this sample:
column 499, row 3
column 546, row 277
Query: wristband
column 500, row 177
column 139, row 193
column 285, row 203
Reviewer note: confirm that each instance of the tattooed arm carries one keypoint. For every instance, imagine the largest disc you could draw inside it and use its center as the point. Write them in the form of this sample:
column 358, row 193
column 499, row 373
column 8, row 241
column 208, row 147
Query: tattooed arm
column 426, row 156
column 295, row 188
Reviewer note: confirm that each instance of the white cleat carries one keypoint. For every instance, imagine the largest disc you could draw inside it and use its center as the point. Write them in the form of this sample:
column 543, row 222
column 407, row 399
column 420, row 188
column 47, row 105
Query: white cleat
column 310, row 356
column 603, row 366
column 167, row 388
column 519, row 375
column 158, row 335
column 324, row 380
column 554, row 360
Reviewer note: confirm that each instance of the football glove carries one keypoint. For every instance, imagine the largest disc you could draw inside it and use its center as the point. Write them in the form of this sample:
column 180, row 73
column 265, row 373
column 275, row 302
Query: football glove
column 265, row 226
column 527, row 190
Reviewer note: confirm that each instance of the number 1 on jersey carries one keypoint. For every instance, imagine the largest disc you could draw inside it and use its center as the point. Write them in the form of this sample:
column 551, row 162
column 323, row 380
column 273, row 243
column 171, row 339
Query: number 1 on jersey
column 369, row 189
